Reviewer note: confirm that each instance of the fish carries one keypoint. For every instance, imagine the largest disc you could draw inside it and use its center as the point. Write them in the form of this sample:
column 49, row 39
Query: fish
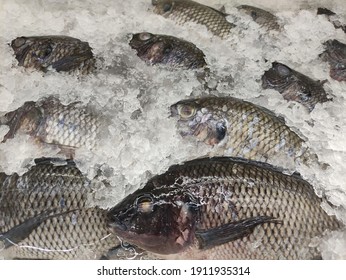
column 167, row 50
column 223, row 208
column 294, row 86
column 335, row 55
column 46, row 214
column 263, row 18
column 60, row 53
column 182, row 11
column 48, row 121
column 332, row 17
column 240, row 128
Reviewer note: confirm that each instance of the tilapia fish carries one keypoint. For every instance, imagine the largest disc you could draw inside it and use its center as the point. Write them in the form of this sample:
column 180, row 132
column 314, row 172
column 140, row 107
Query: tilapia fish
column 61, row 53
column 294, row 86
column 335, row 55
column 223, row 208
column 167, row 50
column 261, row 17
column 241, row 128
column 182, row 11
column 49, row 121
column 45, row 214
column 333, row 18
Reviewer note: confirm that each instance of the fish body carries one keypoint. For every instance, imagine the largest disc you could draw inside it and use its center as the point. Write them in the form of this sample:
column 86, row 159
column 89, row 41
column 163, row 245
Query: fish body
column 335, row 55
column 294, row 86
column 45, row 214
column 182, row 11
column 62, row 53
column 243, row 129
column 49, row 121
column 261, row 17
column 223, row 208
column 167, row 50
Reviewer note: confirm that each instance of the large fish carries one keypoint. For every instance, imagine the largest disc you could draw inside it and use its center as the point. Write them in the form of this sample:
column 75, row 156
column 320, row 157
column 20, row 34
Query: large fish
column 182, row 11
column 294, row 85
column 241, row 128
column 167, row 50
column 335, row 55
column 45, row 214
column 61, row 53
column 49, row 121
column 223, row 208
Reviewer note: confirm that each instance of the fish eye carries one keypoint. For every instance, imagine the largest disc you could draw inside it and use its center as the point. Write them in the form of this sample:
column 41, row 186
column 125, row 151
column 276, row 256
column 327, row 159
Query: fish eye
column 19, row 42
column 283, row 70
column 186, row 111
column 167, row 7
column 42, row 54
column 145, row 204
column 144, row 36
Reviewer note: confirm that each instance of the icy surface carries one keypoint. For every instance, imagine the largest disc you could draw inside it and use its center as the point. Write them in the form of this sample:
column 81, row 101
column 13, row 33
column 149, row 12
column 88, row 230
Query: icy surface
column 141, row 140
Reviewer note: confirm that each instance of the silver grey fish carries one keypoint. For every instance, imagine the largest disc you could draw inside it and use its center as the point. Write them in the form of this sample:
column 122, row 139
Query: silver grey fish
column 167, row 50
column 335, row 55
column 61, row 53
column 261, row 17
column 294, row 86
column 223, row 208
column 182, row 11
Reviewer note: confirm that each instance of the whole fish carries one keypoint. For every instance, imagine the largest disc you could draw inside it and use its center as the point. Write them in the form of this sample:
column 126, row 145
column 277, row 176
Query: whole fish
column 261, row 17
column 294, row 86
column 168, row 50
column 241, row 128
column 223, row 208
column 45, row 214
column 182, row 11
column 335, row 55
column 61, row 53
column 49, row 121
column 332, row 17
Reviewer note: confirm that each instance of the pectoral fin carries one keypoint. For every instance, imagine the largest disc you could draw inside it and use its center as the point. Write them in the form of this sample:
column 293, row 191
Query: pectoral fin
column 230, row 232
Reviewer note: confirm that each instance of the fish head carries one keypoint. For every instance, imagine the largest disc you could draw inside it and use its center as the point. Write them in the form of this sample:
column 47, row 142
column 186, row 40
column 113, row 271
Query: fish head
column 197, row 118
column 160, row 220
column 163, row 7
column 279, row 77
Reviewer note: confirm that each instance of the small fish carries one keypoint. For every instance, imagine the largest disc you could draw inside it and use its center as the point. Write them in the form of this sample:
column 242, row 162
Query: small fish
column 44, row 214
column 241, row 128
column 332, row 17
column 168, row 50
column 182, row 11
column 62, row 53
column 261, row 17
column 49, row 121
column 335, row 55
column 223, row 208
column 294, row 86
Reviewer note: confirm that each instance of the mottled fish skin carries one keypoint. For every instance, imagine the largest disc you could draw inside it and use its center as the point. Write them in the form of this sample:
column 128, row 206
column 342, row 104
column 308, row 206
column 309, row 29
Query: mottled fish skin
column 335, row 55
column 59, row 193
column 332, row 17
column 61, row 53
column 241, row 128
column 167, row 50
column 294, row 86
column 223, row 208
column 49, row 121
column 182, row 11
column 261, row 17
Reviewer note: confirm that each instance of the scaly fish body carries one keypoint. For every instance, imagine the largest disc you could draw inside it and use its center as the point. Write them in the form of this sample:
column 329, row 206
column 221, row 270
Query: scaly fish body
column 261, row 17
column 241, row 128
column 182, row 11
column 167, row 50
column 223, row 208
column 335, row 55
column 61, row 53
column 44, row 214
column 294, row 86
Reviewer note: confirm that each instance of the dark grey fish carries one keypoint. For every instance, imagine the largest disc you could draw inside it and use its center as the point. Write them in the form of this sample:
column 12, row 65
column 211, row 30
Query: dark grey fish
column 223, row 208
column 333, row 18
column 182, row 11
column 335, row 55
column 49, row 121
column 61, row 53
column 294, row 86
column 261, row 17
column 45, row 214
column 167, row 50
